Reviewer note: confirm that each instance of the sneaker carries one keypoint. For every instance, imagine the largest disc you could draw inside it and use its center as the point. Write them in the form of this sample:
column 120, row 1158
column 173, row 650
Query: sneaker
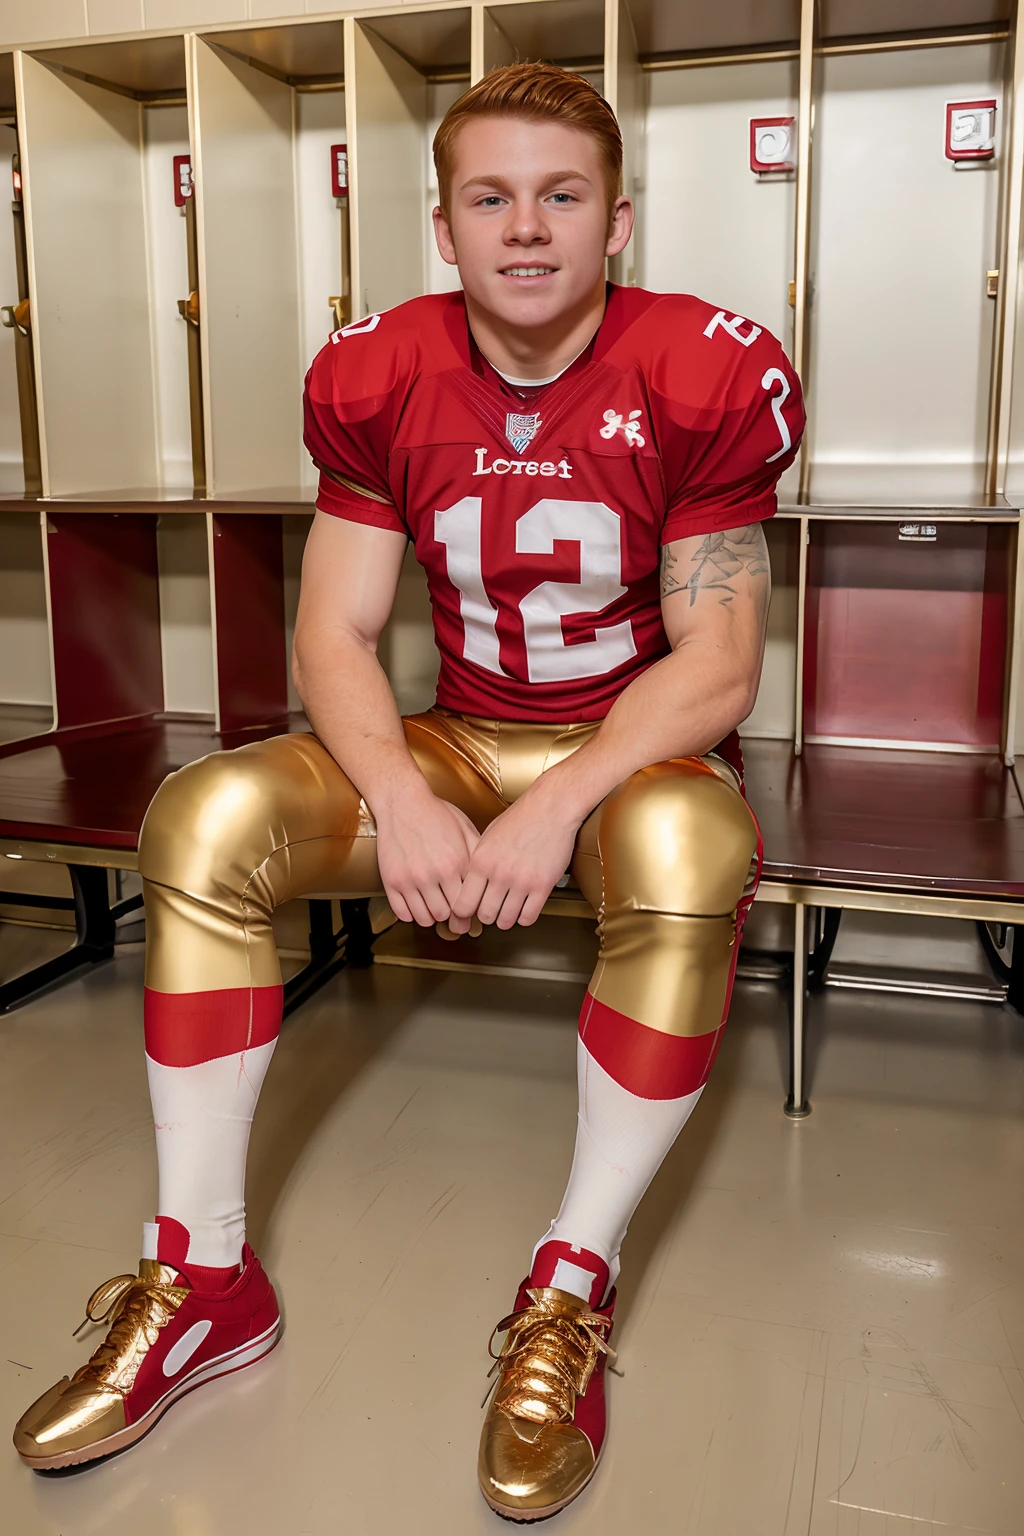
column 165, row 1339
column 545, row 1427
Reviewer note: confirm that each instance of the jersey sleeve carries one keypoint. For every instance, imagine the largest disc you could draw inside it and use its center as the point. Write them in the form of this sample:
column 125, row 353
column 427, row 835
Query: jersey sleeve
column 349, row 410
column 733, row 418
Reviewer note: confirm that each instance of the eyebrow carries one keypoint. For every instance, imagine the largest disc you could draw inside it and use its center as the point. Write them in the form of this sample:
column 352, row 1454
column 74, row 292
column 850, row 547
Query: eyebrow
column 502, row 185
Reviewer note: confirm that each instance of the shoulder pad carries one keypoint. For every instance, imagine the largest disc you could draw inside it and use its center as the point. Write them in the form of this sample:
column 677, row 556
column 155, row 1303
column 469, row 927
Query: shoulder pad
column 383, row 352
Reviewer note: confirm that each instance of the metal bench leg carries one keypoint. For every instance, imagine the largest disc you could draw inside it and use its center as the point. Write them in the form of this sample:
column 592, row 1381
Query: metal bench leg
column 796, row 1106
column 355, row 917
column 94, row 928
column 331, row 952
column 1014, row 973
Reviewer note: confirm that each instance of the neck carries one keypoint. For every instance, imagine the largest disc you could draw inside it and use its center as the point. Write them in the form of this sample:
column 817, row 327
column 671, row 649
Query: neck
column 536, row 352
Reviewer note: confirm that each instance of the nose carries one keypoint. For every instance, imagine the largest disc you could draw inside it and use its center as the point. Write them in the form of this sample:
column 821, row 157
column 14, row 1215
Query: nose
column 526, row 224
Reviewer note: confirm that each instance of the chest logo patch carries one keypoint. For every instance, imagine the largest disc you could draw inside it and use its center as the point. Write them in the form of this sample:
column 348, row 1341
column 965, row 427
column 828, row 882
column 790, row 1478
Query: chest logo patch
column 629, row 427
column 521, row 429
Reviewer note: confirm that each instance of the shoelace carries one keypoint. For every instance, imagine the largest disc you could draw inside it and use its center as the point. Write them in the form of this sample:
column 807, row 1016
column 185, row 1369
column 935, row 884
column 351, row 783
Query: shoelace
column 547, row 1359
column 136, row 1309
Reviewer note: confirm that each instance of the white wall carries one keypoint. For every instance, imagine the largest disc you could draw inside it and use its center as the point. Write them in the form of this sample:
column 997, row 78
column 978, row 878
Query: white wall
column 165, row 134
column 901, row 328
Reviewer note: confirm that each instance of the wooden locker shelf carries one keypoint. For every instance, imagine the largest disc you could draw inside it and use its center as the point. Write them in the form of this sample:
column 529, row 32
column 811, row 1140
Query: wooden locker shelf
column 289, row 499
column 91, row 787
column 939, row 823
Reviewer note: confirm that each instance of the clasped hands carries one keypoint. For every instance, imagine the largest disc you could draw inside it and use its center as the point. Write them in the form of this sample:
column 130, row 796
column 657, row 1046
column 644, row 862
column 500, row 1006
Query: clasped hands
column 436, row 867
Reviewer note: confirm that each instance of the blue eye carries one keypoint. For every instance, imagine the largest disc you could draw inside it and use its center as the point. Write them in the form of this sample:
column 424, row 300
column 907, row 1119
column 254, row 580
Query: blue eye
column 562, row 198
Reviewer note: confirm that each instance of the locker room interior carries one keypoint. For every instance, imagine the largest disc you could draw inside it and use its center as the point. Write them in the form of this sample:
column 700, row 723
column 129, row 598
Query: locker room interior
column 833, row 1257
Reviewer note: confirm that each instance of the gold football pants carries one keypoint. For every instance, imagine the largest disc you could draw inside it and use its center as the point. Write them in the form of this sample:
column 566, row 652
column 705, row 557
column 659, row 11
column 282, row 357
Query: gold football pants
column 668, row 861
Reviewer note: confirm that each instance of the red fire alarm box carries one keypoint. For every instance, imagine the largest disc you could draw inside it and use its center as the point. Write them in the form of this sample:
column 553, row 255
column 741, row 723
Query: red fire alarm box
column 182, row 180
column 772, row 145
column 971, row 130
column 339, row 170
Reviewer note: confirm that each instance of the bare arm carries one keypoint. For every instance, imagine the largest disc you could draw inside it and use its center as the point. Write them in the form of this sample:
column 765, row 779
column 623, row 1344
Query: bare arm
column 715, row 590
column 350, row 575
column 714, row 601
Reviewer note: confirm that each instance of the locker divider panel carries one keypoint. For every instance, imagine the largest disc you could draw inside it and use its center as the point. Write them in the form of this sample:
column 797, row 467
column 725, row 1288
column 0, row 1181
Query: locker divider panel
column 247, row 570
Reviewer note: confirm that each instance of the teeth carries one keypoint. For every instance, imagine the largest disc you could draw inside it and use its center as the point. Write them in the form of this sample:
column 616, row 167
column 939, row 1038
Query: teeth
column 527, row 271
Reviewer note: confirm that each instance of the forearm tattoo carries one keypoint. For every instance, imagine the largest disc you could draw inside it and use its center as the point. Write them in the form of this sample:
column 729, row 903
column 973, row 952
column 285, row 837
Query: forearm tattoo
column 718, row 560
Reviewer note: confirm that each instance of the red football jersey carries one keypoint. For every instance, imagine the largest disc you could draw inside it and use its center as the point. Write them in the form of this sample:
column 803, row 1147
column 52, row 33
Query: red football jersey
column 539, row 517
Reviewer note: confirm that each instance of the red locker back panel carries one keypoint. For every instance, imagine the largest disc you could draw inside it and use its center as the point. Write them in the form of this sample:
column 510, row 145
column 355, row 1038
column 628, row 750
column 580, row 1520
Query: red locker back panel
column 906, row 641
column 104, row 598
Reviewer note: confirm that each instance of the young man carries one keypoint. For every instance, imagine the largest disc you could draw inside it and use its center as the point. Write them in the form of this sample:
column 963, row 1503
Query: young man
column 544, row 439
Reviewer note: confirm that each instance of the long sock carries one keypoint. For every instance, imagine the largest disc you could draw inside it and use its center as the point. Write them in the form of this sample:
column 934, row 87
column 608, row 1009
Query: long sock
column 637, row 1089
column 167, row 1241
column 207, row 1054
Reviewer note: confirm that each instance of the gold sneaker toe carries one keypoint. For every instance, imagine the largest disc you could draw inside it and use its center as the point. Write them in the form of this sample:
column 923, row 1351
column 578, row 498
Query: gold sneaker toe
column 70, row 1416
column 525, row 1468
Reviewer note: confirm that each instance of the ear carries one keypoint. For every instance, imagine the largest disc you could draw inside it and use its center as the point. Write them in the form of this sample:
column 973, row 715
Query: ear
column 443, row 236
column 620, row 226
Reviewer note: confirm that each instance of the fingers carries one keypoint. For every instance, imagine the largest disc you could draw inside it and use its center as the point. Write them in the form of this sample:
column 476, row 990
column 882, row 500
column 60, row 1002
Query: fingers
column 532, row 908
column 510, row 909
column 452, row 929
column 425, row 907
column 467, row 902
column 419, row 910
column 491, row 900
column 398, row 905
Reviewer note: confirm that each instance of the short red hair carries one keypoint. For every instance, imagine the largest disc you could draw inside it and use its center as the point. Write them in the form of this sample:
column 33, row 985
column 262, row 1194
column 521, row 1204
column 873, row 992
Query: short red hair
column 538, row 92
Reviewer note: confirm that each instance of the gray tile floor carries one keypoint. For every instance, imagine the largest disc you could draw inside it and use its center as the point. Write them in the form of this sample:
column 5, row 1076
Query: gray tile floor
column 821, row 1324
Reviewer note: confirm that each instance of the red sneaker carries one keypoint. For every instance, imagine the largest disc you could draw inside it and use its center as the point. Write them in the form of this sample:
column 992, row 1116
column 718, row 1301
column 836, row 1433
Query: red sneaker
column 165, row 1339
column 545, row 1427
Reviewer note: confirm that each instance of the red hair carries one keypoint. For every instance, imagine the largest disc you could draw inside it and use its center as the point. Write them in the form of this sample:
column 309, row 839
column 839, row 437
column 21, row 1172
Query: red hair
column 540, row 93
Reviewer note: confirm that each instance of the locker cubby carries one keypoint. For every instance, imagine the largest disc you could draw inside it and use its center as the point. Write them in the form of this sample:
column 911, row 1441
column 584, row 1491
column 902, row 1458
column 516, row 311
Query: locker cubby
column 267, row 104
column 902, row 328
column 26, row 689
column 704, row 208
column 860, row 18
column 669, row 29
column 567, row 32
column 407, row 70
column 107, row 251
column 906, row 639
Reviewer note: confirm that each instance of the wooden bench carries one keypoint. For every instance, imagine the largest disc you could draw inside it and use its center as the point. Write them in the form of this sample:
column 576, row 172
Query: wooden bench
column 844, row 828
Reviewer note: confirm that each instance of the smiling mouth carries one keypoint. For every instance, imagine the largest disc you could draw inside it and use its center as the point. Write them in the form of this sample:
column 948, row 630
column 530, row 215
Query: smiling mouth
column 527, row 271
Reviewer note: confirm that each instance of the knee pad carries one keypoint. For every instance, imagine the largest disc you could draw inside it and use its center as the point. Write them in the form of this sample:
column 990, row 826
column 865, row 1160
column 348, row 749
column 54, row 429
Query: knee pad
column 676, row 838
column 208, row 824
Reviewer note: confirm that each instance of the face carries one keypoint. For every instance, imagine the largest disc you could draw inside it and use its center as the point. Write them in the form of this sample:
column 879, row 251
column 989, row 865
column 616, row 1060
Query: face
column 529, row 225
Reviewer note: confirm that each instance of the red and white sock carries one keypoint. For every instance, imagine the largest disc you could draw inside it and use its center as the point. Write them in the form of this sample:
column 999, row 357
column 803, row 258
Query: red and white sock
column 168, row 1242
column 207, row 1054
column 637, row 1089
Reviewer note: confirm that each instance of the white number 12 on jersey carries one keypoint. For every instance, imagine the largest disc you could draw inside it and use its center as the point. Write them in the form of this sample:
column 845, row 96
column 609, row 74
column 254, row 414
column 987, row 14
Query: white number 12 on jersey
column 597, row 531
